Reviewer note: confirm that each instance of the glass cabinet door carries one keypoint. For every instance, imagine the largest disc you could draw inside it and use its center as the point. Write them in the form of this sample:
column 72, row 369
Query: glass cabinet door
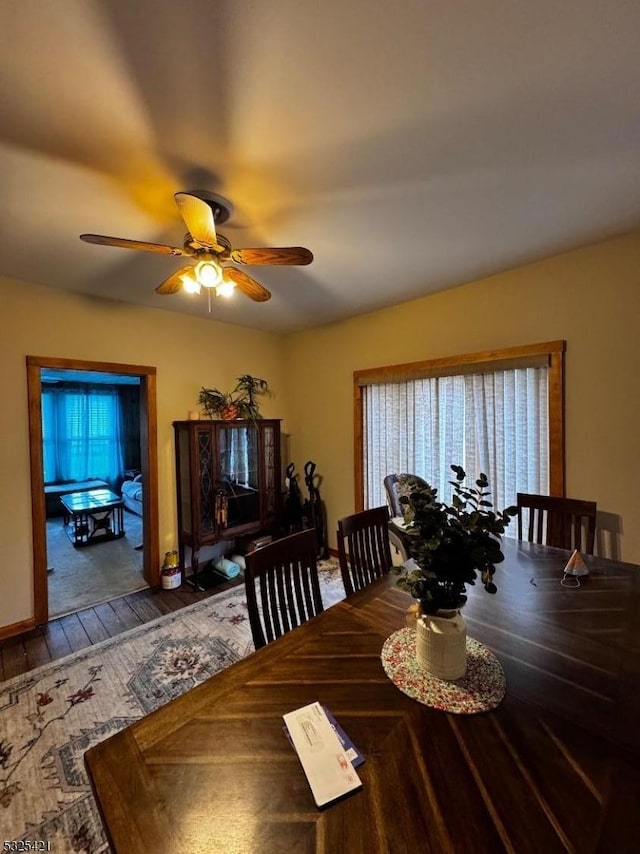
column 239, row 473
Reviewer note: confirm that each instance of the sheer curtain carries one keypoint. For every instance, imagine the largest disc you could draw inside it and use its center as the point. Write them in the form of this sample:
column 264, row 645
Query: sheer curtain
column 495, row 423
column 82, row 436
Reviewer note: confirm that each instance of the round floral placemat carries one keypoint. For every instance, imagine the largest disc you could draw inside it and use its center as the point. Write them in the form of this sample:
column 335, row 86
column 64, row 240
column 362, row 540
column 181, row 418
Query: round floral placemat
column 480, row 689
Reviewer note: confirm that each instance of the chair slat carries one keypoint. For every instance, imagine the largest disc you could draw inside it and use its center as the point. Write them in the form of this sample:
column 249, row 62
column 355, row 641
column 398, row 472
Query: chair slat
column 282, row 587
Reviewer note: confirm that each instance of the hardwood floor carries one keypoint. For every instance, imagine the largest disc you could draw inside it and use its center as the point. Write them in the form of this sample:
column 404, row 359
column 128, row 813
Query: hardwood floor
column 74, row 632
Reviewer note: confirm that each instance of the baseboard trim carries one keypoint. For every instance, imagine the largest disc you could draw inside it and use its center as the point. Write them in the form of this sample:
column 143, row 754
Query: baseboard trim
column 333, row 552
column 17, row 628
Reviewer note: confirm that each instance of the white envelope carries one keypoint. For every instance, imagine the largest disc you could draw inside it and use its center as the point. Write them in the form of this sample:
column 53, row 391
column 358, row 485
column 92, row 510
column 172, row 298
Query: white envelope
column 325, row 763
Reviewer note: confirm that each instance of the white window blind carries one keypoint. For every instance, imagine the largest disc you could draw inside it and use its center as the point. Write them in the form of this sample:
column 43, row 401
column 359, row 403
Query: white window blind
column 495, row 422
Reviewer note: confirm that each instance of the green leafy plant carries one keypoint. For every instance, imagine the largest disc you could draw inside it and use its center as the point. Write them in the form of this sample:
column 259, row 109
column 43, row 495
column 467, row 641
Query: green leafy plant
column 241, row 402
column 451, row 543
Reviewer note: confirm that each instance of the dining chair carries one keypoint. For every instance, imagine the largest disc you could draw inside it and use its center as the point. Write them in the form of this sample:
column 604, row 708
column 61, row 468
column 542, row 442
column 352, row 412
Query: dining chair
column 565, row 523
column 363, row 548
column 396, row 485
column 282, row 586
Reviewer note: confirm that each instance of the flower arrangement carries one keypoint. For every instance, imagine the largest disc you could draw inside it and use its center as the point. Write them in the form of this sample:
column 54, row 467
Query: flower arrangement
column 451, row 543
column 241, row 402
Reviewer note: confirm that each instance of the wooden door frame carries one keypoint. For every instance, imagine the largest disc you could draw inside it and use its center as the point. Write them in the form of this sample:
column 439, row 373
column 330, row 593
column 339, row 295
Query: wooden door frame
column 149, row 465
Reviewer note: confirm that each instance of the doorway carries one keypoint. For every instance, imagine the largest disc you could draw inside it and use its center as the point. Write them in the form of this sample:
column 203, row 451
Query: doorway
column 148, row 450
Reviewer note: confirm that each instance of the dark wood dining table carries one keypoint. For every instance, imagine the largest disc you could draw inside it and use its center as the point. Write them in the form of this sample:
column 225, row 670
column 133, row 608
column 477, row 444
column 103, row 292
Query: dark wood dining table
column 555, row 767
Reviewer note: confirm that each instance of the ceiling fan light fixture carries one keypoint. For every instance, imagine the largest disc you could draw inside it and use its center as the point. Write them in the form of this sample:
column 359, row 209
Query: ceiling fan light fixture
column 225, row 288
column 190, row 285
column 208, row 274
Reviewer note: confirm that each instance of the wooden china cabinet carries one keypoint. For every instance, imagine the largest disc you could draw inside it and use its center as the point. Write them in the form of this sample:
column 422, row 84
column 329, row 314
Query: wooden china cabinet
column 228, row 478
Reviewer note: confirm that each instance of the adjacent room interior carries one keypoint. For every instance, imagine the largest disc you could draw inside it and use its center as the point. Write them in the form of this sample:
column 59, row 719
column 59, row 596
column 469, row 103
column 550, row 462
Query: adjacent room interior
column 91, row 448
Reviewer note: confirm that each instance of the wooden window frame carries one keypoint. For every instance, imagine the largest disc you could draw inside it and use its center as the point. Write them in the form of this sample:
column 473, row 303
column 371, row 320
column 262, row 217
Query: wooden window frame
column 549, row 352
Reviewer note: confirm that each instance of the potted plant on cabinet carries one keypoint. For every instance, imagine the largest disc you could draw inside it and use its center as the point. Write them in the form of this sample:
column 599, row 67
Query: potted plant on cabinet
column 241, row 402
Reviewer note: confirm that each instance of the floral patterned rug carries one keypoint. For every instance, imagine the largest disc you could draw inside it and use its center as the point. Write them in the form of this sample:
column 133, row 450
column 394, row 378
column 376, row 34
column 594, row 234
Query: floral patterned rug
column 50, row 716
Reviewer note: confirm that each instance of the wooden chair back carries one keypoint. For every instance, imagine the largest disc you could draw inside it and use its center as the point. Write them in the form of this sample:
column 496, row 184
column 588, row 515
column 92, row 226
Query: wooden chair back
column 397, row 484
column 565, row 523
column 282, row 586
column 363, row 548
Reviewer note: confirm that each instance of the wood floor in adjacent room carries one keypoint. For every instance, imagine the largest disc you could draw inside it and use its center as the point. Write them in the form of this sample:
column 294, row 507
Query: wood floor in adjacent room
column 77, row 631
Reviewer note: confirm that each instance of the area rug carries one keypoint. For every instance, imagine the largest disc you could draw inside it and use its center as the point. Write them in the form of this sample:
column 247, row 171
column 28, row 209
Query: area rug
column 89, row 575
column 50, row 716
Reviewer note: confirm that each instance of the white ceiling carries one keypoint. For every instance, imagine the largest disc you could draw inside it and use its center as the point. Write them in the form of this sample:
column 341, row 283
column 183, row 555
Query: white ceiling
column 411, row 147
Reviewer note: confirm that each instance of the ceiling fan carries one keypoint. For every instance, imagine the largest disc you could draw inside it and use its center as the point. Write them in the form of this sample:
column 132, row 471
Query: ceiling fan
column 209, row 251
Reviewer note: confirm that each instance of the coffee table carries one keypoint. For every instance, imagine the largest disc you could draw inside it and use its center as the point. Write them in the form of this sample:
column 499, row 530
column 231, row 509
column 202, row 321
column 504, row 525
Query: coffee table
column 93, row 517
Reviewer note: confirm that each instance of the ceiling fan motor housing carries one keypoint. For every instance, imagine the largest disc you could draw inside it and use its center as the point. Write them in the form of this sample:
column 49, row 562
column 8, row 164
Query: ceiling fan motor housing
column 190, row 243
column 221, row 207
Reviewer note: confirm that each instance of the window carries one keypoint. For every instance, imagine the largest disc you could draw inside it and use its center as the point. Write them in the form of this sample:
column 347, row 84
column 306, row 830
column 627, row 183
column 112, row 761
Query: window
column 81, row 434
column 499, row 412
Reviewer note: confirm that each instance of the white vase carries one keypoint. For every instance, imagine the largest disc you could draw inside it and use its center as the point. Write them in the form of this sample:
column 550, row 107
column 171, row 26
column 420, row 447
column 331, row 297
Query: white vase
column 441, row 644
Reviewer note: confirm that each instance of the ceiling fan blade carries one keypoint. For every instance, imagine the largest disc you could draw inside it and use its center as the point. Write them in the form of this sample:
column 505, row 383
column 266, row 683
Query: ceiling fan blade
column 132, row 244
column 290, row 255
column 173, row 283
column 249, row 287
column 199, row 220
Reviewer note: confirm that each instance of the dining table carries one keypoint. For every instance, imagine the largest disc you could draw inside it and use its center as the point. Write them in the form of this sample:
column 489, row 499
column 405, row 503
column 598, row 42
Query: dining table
column 554, row 766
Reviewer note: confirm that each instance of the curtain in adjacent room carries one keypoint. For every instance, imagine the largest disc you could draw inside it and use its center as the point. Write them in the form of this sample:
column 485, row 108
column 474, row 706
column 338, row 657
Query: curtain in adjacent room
column 130, row 425
column 494, row 422
column 82, row 437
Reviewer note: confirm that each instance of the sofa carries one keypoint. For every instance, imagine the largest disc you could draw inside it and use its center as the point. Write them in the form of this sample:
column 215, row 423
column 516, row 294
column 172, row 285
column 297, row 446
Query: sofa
column 54, row 491
column 131, row 491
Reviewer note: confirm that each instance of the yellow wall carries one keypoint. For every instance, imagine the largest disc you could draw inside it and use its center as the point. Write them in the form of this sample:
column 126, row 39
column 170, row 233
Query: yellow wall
column 589, row 297
column 187, row 353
